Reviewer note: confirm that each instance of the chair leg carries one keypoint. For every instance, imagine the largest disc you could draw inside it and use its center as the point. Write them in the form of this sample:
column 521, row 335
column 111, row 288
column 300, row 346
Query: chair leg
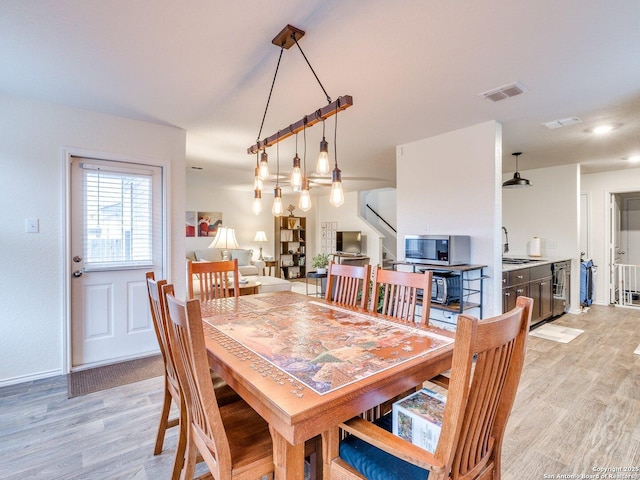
column 179, row 460
column 190, row 458
column 164, row 420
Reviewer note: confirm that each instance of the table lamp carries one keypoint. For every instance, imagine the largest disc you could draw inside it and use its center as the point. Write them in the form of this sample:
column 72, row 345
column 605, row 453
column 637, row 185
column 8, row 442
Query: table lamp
column 261, row 238
column 225, row 239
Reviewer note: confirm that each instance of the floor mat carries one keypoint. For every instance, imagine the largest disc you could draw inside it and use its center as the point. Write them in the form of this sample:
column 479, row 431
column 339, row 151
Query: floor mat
column 556, row 333
column 109, row 376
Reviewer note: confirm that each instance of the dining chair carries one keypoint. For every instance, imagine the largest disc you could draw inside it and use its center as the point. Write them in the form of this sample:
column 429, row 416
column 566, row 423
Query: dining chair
column 233, row 440
column 224, row 393
column 488, row 356
column 214, row 279
column 397, row 294
column 348, row 284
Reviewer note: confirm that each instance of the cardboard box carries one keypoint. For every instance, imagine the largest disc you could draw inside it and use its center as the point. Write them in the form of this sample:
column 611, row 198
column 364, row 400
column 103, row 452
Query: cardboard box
column 418, row 418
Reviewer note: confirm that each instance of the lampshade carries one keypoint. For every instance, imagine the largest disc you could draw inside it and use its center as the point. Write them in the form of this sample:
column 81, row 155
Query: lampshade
column 225, row 239
column 260, row 236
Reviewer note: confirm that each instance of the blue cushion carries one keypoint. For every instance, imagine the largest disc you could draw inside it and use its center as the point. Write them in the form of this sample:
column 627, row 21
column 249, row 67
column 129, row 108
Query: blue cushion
column 376, row 464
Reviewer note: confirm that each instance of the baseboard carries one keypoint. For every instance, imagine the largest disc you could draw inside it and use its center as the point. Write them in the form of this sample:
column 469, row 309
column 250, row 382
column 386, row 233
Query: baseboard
column 29, row 378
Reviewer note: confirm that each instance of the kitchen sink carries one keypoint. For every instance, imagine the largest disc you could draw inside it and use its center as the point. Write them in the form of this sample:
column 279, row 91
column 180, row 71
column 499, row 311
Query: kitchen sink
column 518, row 261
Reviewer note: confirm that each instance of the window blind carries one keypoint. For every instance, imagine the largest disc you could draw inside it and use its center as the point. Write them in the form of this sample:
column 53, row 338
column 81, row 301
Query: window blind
column 117, row 218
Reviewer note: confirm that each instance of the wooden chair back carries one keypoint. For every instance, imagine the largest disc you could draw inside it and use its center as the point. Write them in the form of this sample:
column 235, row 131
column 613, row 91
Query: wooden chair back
column 248, row 434
column 487, row 363
column 156, row 304
column 348, row 284
column 397, row 294
column 171, row 384
column 215, row 279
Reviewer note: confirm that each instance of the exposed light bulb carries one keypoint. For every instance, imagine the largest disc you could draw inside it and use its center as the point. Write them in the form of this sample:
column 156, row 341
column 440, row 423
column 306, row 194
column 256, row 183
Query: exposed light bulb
column 304, row 203
column 257, row 202
column 257, row 206
column 296, row 174
column 323, row 167
column 336, row 197
column 277, row 208
column 264, row 166
column 257, row 181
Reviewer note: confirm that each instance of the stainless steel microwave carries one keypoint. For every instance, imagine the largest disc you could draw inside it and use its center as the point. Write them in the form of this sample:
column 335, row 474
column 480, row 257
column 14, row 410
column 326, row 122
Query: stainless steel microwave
column 437, row 249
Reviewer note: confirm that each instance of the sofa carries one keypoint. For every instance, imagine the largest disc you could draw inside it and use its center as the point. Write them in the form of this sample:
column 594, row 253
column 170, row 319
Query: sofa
column 246, row 265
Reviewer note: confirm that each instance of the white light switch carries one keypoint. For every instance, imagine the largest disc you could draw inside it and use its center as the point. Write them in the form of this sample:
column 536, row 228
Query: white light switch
column 31, row 225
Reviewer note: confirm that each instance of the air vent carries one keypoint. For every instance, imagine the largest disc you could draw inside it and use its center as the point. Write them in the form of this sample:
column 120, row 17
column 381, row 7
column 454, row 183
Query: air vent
column 505, row 91
column 563, row 122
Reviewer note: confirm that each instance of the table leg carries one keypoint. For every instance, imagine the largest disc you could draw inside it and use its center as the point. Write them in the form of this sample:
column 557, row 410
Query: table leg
column 288, row 460
column 330, row 447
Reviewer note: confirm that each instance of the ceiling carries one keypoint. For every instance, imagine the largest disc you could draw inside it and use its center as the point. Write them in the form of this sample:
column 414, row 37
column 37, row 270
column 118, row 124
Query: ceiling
column 415, row 69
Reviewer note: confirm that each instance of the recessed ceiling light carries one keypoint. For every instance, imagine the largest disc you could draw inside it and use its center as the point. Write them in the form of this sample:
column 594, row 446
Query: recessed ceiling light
column 599, row 130
column 634, row 159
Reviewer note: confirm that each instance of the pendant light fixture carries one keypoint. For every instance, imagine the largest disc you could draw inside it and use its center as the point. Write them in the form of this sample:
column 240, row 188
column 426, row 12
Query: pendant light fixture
column 257, row 181
column 296, row 173
column 517, row 181
column 323, row 167
column 257, row 202
column 304, row 203
column 336, row 197
column 264, row 165
column 277, row 209
column 288, row 37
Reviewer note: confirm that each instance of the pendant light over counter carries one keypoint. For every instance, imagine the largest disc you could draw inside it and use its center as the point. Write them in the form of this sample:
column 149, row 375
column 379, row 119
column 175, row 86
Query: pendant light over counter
column 299, row 181
column 517, row 181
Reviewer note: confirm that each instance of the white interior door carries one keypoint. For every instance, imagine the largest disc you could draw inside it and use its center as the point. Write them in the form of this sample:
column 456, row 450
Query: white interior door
column 614, row 247
column 116, row 236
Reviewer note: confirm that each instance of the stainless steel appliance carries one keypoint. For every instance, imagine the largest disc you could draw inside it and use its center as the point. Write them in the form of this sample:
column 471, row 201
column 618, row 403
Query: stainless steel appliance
column 446, row 288
column 437, row 249
column 561, row 287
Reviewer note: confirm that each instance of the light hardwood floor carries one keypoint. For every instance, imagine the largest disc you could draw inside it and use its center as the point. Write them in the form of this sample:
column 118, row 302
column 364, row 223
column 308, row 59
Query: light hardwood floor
column 578, row 407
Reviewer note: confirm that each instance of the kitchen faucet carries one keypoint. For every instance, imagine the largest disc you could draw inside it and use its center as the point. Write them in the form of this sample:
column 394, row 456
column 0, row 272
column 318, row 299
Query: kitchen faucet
column 506, row 240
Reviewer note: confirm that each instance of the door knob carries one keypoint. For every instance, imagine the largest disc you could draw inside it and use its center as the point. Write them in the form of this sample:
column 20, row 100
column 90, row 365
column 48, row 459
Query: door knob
column 77, row 273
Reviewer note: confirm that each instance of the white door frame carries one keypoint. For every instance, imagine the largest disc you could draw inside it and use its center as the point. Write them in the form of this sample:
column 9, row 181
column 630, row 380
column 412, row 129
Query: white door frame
column 607, row 275
column 67, row 153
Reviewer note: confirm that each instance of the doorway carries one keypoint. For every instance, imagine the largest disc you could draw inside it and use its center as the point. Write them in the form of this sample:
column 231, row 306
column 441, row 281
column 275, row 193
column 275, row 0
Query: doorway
column 116, row 220
column 624, row 246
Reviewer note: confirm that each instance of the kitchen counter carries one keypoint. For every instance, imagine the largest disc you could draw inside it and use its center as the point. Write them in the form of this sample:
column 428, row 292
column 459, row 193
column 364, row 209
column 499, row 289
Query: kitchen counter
column 531, row 262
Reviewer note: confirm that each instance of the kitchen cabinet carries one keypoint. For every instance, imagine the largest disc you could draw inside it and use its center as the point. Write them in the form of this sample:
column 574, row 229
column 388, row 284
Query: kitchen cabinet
column 541, row 290
column 515, row 283
column 290, row 234
column 535, row 282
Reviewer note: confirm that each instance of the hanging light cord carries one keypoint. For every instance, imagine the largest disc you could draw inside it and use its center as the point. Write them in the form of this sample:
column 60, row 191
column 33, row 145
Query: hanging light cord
column 335, row 138
column 277, row 164
column 312, row 70
column 270, row 92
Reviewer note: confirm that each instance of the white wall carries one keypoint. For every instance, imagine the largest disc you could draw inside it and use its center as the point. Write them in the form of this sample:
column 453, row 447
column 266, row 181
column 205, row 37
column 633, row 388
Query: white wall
column 32, row 184
column 235, row 206
column 347, row 218
column 549, row 209
column 598, row 187
column 450, row 184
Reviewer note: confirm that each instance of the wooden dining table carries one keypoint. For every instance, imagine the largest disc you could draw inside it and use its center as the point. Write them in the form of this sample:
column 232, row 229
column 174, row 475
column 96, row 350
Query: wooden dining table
column 305, row 364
